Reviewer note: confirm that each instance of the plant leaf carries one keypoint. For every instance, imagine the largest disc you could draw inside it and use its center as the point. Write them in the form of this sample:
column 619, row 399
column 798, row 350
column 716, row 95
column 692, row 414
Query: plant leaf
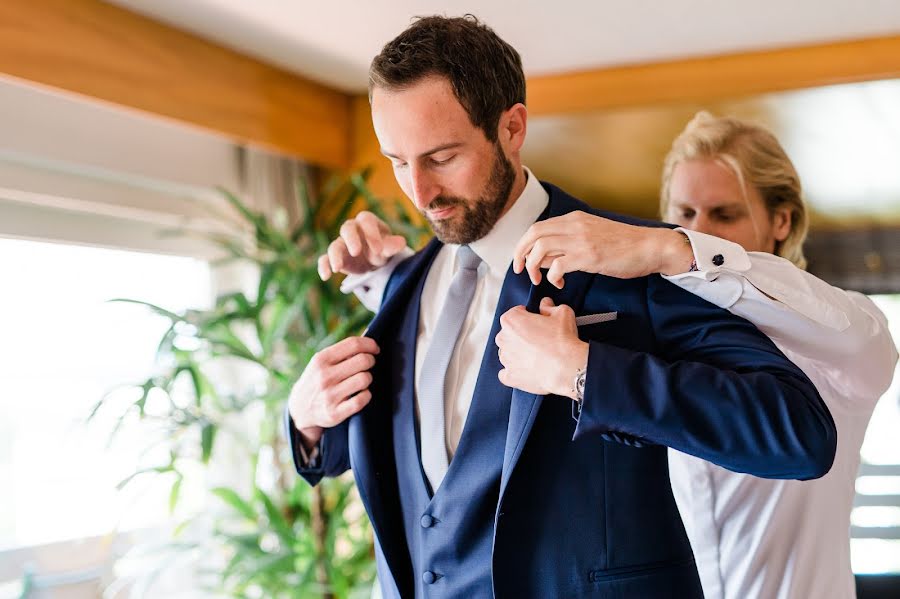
column 174, row 492
column 234, row 500
column 207, row 436
column 161, row 311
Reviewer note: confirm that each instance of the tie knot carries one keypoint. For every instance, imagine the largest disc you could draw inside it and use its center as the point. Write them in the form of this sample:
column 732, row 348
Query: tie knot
column 468, row 259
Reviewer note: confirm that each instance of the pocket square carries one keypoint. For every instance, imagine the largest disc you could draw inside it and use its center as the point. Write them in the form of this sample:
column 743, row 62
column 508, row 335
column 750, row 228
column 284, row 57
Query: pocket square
column 595, row 318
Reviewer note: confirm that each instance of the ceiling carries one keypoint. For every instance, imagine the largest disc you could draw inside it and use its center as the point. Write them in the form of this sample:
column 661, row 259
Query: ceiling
column 333, row 42
column 844, row 140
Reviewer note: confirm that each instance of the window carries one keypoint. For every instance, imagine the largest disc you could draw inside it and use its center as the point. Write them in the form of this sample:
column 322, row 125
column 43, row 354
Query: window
column 63, row 347
column 875, row 520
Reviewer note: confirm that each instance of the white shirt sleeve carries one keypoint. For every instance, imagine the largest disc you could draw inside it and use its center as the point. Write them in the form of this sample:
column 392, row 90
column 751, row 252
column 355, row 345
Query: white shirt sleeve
column 369, row 287
column 843, row 330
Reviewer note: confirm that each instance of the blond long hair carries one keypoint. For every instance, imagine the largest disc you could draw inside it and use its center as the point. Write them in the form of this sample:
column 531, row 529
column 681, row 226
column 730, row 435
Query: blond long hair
column 756, row 158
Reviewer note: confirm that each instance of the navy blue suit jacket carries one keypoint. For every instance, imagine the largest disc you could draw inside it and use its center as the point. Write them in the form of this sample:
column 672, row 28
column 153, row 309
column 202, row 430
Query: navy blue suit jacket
column 585, row 508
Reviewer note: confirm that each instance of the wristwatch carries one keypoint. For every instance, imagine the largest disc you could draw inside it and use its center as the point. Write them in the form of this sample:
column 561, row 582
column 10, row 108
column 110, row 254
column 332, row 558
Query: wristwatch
column 578, row 384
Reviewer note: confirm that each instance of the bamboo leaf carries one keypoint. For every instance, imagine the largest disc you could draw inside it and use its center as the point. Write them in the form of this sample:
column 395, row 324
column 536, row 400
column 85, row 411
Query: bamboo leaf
column 307, row 223
column 234, row 500
column 245, row 211
column 168, row 339
column 276, row 518
column 161, row 311
column 207, row 437
column 174, row 492
column 198, row 382
column 156, row 469
column 266, row 274
column 245, row 308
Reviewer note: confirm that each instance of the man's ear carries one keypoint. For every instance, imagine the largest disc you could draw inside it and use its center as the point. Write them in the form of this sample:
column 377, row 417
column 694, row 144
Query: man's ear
column 782, row 219
column 512, row 127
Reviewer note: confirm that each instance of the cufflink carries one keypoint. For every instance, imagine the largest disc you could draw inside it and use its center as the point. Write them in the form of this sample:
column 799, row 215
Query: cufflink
column 718, row 260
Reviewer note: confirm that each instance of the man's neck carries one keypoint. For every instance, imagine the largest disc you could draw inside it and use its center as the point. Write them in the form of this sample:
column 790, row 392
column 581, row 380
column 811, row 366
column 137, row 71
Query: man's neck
column 518, row 187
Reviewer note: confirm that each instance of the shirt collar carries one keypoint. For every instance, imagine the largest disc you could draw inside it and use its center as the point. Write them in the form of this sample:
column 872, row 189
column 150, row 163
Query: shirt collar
column 496, row 248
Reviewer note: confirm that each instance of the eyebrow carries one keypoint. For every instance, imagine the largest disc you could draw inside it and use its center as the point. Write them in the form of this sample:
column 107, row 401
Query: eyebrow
column 440, row 148
column 735, row 204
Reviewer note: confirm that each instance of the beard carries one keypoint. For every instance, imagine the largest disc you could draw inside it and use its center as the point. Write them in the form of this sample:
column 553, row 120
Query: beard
column 477, row 217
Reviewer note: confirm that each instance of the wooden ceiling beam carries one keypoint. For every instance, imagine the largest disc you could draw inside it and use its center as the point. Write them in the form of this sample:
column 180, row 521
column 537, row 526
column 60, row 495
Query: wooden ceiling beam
column 94, row 49
column 715, row 78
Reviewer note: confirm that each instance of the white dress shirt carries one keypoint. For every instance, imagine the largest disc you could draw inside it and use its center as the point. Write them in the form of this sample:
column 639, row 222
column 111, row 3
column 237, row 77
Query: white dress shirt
column 495, row 250
column 757, row 538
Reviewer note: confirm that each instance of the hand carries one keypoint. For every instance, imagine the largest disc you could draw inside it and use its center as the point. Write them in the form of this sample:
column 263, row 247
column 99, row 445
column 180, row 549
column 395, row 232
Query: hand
column 582, row 241
column 541, row 353
column 365, row 244
column 333, row 387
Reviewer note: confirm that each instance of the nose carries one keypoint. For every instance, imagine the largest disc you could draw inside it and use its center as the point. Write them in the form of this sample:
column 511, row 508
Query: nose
column 702, row 224
column 424, row 189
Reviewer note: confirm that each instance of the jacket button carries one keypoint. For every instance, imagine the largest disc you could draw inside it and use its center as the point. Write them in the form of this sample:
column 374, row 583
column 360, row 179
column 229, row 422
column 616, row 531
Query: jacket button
column 718, row 260
column 427, row 521
column 429, row 577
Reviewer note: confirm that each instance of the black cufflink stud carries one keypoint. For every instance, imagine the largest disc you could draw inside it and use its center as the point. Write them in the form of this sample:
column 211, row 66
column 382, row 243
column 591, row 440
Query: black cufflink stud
column 718, row 260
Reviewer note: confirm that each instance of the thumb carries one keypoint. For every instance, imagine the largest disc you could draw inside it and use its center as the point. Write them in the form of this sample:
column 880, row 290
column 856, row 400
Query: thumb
column 547, row 306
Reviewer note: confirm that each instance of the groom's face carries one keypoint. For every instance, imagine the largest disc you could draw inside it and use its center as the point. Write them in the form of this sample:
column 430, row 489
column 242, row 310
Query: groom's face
column 458, row 179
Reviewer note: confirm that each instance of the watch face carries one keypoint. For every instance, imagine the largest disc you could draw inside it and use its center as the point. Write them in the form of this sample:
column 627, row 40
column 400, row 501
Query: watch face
column 579, row 384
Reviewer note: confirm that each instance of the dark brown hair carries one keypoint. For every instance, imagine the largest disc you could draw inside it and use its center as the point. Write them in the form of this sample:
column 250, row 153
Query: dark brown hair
column 484, row 71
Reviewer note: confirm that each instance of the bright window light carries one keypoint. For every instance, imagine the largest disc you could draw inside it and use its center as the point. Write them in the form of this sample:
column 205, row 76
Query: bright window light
column 875, row 548
column 63, row 347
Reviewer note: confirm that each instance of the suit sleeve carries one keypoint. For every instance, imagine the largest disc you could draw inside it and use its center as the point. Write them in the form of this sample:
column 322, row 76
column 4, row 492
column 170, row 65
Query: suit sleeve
column 715, row 387
column 332, row 459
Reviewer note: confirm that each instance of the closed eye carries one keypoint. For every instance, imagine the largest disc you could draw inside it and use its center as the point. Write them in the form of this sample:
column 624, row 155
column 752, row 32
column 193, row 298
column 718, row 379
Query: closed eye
column 437, row 162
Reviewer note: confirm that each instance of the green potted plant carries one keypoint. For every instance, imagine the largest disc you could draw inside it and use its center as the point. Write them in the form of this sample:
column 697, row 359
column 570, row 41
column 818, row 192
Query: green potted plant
column 280, row 538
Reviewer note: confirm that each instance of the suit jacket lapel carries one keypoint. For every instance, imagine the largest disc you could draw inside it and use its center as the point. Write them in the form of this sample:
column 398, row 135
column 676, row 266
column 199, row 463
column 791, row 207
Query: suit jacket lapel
column 370, row 434
column 524, row 406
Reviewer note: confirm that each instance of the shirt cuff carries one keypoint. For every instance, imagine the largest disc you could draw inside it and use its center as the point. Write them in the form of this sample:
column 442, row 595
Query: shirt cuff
column 369, row 287
column 714, row 255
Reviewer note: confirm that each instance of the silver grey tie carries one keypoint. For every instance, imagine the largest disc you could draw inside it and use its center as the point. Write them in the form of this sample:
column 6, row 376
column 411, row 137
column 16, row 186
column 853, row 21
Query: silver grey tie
column 432, row 379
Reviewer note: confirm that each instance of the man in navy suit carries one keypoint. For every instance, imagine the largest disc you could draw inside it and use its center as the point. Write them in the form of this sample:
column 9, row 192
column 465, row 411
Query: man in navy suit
column 477, row 482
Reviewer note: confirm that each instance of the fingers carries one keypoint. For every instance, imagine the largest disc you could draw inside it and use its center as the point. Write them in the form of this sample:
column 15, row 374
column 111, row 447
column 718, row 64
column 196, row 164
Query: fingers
column 547, row 306
column 508, row 317
column 393, row 244
column 558, row 268
column 544, row 252
column 324, row 267
column 365, row 236
column 374, row 230
column 337, row 254
column 346, row 348
column 350, row 233
column 351, row 366
column 352, row 405
column 534, row 260
column 555, row 226
column 503, row 375
column 531, row 236
column 349, row 387
column 523, row 247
